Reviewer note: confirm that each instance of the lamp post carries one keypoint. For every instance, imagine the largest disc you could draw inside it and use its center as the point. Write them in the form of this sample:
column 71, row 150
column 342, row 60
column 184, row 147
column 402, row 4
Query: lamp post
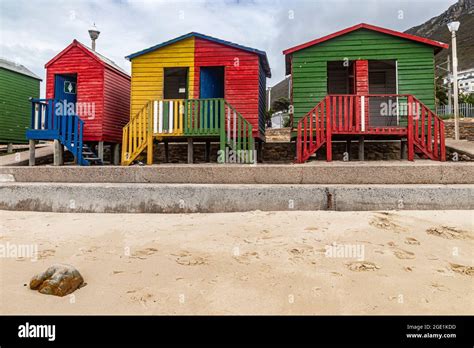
column 94, row 35
column 453, row 27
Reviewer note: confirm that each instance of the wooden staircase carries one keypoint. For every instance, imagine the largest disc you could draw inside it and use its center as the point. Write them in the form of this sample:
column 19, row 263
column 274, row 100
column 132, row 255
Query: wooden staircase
column 187, row 118
column 354, row 115
column 47, row 124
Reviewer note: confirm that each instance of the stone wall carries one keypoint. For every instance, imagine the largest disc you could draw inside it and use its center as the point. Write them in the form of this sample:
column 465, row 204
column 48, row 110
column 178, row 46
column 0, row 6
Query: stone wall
column 279, row 152
column 466, row 129
column 178, row 153
column 285, row 152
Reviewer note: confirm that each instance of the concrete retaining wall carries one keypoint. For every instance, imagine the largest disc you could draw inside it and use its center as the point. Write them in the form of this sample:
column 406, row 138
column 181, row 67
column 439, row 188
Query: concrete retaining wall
column 187, row 198
column 396, row 172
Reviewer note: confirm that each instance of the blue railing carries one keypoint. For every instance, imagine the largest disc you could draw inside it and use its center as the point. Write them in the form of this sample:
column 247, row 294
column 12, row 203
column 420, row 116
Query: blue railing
column 48, row 123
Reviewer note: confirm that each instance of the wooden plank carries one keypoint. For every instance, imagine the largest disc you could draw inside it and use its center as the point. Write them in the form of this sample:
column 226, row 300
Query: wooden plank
column 328, row 130
column 317, row 116
column 442, row 142
column 411, row 150
column 351, row 112
column 160, row 116
column 357, row 110
column 155, row 116
column 205, row 128
column 423, row 123
column 170, row 116
column 201, row 117
column 430, row 120
column 339, row 106
column 346, row 116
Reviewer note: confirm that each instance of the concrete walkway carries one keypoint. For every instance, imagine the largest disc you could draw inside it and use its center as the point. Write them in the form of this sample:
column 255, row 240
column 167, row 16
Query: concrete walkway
column 461, row 146
column 192, row 198
column 22, row 158
column 381, row 172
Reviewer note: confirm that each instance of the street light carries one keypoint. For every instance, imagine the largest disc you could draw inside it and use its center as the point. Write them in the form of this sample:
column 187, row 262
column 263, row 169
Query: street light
column 94, row 35
column 453, row 27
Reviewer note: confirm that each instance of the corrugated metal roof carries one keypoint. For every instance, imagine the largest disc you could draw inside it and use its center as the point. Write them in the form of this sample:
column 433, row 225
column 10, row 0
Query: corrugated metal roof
column 261, row 54
column 18, row 68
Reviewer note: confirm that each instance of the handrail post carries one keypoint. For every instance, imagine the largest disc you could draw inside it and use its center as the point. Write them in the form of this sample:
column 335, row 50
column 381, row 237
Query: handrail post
column 442, row 142
column 410, row 145
column 80, row 135
column 149, row 154
column 328, row 130
column 222, row 137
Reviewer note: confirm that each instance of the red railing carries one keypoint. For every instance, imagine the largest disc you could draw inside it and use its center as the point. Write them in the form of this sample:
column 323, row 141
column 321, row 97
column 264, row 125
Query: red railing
column 385, row 114
column 425, row 132
column 311, row 134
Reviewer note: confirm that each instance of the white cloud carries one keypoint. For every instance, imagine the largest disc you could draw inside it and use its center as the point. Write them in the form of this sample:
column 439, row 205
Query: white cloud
column 32, row 32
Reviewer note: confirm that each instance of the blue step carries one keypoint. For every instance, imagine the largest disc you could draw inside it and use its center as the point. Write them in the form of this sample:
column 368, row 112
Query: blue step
column 47, row 125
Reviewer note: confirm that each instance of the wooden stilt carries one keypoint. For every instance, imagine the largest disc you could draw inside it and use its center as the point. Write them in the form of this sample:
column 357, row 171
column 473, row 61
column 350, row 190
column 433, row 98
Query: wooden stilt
column 260, row 151
column 403, row 149
column 116, row 154
column 100, row 150
column 149, row 150
column 361, row 148
column 207, row 151
column 57, row 156
column 190, row 151
column 167, row 151
column 32, row 152
column 348, row 149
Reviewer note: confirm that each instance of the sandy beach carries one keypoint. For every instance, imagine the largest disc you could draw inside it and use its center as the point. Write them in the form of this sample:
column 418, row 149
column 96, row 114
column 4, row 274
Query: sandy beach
column 413, row 262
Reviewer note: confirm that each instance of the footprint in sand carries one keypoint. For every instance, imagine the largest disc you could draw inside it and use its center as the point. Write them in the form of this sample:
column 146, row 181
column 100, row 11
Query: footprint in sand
column 248, row 257
column 361, row 266
column 461, row 269
column 449, row 232
column 404, row 254
column 142, row 296
column 411, row 241
column 439, row 287
column 385, row 221
column 44, row 254
column 143, row 253
column 185, row 258
column 301, row 253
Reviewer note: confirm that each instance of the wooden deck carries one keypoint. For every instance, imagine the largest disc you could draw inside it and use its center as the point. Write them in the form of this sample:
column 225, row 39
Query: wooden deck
column 377, row 115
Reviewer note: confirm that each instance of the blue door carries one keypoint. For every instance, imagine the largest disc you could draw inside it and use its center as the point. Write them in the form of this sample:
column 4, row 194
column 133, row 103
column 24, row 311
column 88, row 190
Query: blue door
column 212, row 82
column 65, row 91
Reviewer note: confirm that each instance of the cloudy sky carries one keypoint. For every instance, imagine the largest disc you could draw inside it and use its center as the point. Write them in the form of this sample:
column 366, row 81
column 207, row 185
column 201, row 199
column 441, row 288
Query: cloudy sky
column 33, row 31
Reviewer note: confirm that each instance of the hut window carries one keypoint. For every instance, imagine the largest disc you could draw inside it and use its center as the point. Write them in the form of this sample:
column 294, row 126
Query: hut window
column 340, row 78
column 175, row 85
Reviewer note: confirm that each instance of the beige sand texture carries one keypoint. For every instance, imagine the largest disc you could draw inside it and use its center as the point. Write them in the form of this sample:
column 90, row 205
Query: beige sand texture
column 416, row 262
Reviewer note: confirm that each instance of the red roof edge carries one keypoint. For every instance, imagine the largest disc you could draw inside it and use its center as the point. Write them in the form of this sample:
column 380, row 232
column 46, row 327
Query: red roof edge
column 420, row 39
column 74, row 43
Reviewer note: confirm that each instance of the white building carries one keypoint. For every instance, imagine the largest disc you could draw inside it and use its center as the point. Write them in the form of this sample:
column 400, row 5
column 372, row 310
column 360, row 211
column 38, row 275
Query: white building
column 466, row 81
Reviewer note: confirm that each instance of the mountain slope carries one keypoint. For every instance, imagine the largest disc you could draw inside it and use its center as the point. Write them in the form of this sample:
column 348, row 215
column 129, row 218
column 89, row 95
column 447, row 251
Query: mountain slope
column 436, row 29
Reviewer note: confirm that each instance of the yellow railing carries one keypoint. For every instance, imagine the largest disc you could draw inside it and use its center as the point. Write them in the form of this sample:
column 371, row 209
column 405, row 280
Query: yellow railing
column 212, row 117
column 136, row 134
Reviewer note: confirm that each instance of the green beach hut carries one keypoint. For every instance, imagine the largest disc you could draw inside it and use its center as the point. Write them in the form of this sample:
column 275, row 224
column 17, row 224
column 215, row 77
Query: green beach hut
column 17, row 85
